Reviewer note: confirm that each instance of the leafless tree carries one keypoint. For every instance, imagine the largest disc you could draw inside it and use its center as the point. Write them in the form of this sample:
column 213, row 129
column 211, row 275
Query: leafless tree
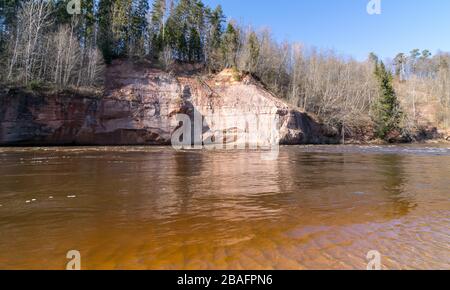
column 39, row 52
column 34, row 17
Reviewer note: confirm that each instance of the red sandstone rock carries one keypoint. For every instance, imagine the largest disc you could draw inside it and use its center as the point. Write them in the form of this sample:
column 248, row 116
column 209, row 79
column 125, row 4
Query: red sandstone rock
column 139, row 108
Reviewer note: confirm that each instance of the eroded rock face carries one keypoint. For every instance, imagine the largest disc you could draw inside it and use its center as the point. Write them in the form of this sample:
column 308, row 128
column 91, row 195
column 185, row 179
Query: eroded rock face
column 140, row 108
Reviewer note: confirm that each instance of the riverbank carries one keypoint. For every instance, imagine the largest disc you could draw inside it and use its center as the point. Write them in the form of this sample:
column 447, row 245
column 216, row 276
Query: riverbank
column 143, row 105
column 140, row 105
column 40, row 118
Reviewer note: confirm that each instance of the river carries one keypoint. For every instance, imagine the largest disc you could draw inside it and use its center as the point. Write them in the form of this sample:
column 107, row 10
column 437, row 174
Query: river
column 315, row 207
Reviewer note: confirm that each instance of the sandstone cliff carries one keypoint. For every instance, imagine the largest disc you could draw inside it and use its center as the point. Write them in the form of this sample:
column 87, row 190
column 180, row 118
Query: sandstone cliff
column 139, row 108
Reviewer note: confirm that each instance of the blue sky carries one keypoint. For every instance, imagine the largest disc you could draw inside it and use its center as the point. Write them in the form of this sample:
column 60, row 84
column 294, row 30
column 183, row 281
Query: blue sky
column 345, row 25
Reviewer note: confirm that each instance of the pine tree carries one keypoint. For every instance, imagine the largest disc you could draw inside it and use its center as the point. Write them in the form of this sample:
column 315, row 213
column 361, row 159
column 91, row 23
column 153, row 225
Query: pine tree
column 399, row 62
column 373, row 58
column 61, row 15
column 139, row 27
column 213, row 55
column 414, row 54
column 195, row 46
column 8, row 12
column 425, row 54
column 253, row 52
column 182, row 43
column 216, row 20
column 157, row 26
column 178, row 29
column 121, row 27
column 387, row 109
column 230, row 45
column 88, row 14
column 105, row 40
column 186, row 30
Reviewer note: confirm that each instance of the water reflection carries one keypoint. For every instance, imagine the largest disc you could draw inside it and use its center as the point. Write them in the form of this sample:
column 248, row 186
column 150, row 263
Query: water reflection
column 155, row 208
column 188, row 166
column 391, row 167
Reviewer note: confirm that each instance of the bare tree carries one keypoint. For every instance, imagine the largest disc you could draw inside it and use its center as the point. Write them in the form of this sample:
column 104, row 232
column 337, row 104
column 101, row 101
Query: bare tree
column 41, row 52
column 67, row 56
column 27, row 51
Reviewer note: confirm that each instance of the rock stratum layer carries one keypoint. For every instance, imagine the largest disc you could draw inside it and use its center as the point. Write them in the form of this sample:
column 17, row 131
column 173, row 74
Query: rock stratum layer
column 140, row 106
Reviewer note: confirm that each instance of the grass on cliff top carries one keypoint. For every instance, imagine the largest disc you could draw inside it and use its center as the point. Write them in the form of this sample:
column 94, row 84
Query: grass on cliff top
column 38, row 88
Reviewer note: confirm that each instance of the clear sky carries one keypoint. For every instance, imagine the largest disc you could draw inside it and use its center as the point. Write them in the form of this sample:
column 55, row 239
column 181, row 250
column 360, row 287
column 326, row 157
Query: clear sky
column 345, row 25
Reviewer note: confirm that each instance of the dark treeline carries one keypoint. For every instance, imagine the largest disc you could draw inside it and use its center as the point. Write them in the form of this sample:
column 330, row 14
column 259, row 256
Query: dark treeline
column 44, row 42
column 59, row 42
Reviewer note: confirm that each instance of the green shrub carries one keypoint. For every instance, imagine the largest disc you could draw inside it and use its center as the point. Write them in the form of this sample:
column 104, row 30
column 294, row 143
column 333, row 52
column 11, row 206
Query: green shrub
column 35, row 85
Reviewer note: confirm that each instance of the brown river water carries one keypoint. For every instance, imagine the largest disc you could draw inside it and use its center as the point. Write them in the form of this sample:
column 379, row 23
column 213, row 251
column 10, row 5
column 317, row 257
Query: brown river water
column 315, row 207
